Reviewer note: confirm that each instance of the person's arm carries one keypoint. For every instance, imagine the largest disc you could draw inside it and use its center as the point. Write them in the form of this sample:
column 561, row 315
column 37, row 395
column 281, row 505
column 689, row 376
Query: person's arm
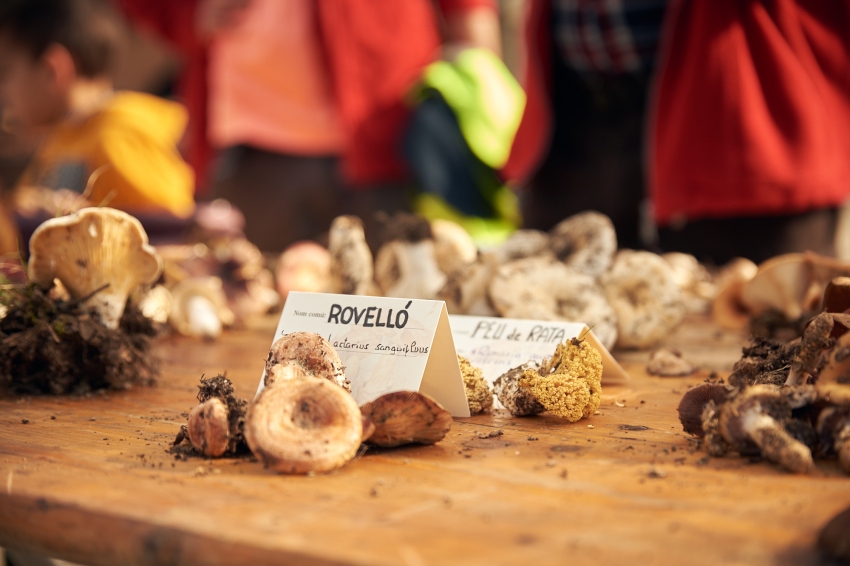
column 473, row 24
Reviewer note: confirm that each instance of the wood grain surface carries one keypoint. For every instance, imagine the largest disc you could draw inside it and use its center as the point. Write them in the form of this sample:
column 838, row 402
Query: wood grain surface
column 91, row 480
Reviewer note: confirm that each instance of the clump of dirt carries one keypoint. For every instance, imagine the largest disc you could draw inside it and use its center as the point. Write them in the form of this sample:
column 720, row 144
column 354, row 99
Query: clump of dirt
column 55, row 347
column 775, row 325
column 765, row 361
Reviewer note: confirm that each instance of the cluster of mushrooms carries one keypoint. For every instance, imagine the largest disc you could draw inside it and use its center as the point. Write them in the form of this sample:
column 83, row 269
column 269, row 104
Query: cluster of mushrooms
column 787, row 402
column 305, row 420
column 633, row 299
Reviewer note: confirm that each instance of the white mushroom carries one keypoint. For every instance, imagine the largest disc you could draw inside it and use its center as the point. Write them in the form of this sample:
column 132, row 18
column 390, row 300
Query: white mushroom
column 199, row 307
column 309, row 352
column 542, row 288
column 157, row 304
column 409, row 270
column 586, row 242
column 101, row 255
column 304, row 266
column 642, row 291
column 453, row 246
column 352, row 271
column 468, row 291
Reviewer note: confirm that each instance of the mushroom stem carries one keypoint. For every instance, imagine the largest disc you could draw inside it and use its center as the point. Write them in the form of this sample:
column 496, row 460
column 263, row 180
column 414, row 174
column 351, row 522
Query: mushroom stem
column 203, row 317
column 775, row 444
column 816, row 339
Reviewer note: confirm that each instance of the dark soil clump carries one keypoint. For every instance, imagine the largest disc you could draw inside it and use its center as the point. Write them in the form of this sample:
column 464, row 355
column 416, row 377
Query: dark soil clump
column 221, row 388
column 765, row 361
column 55, row 347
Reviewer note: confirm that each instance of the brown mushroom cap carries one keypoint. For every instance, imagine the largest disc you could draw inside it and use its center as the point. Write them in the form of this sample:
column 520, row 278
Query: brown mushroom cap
column 311, row 353
column 694, row 401
column 208, row 427
column 304, row 425
column 406, row 417
column 100, row 254
column 836, row 296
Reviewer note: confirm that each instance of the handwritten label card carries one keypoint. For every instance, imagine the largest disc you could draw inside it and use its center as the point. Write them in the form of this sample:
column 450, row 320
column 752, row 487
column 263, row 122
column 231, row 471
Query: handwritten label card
column 386, row 344
column 498, row 344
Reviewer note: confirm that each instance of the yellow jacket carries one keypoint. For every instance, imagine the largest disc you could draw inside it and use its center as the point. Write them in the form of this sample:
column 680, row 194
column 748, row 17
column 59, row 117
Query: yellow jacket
column 133, row 137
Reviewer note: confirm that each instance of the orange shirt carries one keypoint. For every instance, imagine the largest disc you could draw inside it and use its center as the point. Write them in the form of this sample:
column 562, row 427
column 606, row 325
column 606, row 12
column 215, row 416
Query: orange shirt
column 269, row 83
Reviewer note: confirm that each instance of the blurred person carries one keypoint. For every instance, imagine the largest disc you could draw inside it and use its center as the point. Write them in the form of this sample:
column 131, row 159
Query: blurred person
column 116, row 148
column 725, row 124
column 307, row 98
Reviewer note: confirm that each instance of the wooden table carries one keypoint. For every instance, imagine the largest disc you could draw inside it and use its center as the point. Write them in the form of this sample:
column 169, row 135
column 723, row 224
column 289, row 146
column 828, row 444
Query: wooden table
column 90, row 480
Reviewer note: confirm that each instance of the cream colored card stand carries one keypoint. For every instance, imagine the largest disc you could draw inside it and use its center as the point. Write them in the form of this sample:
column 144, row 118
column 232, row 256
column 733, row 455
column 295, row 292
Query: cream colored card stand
column 496, row 345
column 386, row 344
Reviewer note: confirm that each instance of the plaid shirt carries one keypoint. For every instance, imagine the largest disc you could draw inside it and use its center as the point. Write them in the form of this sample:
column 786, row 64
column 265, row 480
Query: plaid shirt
column 608, row 36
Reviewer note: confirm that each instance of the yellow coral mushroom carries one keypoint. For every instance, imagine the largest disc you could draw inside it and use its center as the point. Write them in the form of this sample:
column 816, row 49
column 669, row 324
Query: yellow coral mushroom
column 478, row 393
column 569, row 384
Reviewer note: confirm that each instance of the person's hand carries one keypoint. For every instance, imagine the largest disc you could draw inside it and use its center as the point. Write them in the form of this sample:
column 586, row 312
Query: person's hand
column 215, row 16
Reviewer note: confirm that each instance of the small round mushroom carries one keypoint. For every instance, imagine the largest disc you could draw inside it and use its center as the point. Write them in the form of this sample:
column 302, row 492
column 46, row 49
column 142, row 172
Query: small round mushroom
column 540, row 288
column 669, row 363
column 209, row 430
column 642, row 291
column 304, row 266
column 101, row 255
column 304, row 425
column 518, row 400
column 454, row 248
column 836, row 296
column 586, row 242
column 406, row 417
column 308, row 351
column 756, row 415
column 352, row 270
column 694, row 402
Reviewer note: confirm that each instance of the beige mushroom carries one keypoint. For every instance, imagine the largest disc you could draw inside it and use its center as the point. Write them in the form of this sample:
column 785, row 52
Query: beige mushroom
column 541, row 288
column 304, row 425
column 586, row 242
column 101, row 255
column 199, row 307
column 409, row 270
column 454, row 248
column 352, row 270
column 157, row 304
column 727, row 309
column 304, row 266
column 643, row 293
column 406, row 417
column 781, row 283
column 208, row 428
column 308, row 351
column 468, row 291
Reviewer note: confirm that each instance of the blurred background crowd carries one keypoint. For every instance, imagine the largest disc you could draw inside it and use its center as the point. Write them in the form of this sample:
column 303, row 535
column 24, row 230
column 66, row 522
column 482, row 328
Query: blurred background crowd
column 719, row 128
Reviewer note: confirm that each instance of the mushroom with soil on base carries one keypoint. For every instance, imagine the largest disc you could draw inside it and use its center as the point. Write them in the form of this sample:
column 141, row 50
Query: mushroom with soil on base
column 756, row 415
column 101, row 255
column 304, row 425
column 215, row 425
column 352, row 268
column 694, row 402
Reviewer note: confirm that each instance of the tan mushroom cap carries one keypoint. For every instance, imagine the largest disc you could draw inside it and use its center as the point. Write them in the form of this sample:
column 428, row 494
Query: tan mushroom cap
column 90, row 249
column 187, row 314
column 304, row 425
column 311, row 353
column 406, row 417
column 209, row 430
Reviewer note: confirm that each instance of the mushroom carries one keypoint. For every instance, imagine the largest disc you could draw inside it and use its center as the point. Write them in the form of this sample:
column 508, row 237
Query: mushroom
column 101, row 255
column 541, row 288
column 669, row 363
column 409, row 270
column 833, row 539
column 454, row 248
column 304, row 425
column 782, row 283
column 208, row 428
column 693, row 404
column 468, row 291
column 756, row 416
column 478, row 394
column 518, row 400
column 308, row 351
column 727, row 309
column 521, row 244
column 585, row 242
column 304, row 266
column 569, row 384
column 647, row 303
column 836, row 296
column 816, row 338
column 199, row 307
column 693, row 279
column 833, row 427
column 352, row 271
column 157, row 304
column 406, row 417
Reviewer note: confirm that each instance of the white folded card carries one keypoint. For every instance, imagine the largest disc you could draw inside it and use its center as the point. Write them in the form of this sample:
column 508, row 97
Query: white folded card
column 496, row 345
column 386, row 344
